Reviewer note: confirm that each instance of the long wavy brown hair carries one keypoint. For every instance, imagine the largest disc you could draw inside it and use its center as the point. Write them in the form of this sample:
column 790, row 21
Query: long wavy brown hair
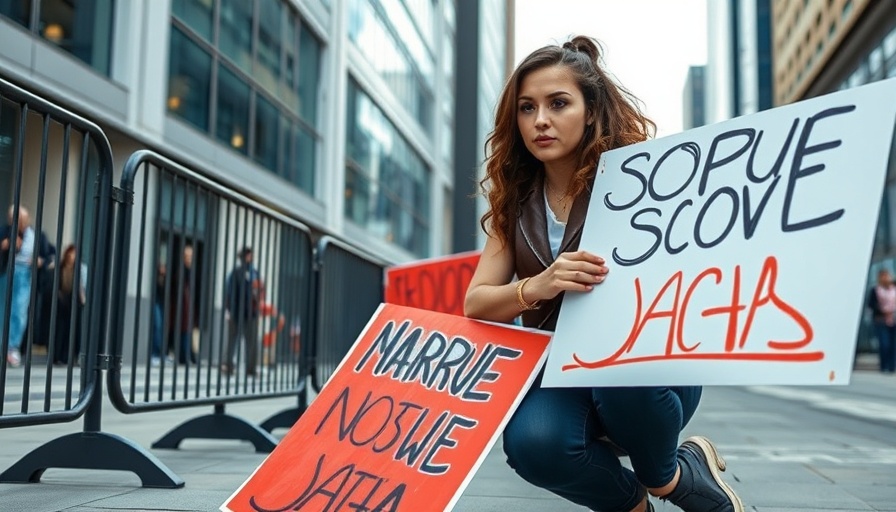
column 510, row 167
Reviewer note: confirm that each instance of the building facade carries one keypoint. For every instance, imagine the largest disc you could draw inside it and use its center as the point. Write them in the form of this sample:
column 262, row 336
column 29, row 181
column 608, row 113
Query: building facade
column 808, row 35
column 739, row 58
column 822, row 47
column 339, row 112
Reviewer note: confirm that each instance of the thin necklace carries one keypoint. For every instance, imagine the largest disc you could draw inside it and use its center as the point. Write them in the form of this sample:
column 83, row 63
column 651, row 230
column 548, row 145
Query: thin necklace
column 560, row 198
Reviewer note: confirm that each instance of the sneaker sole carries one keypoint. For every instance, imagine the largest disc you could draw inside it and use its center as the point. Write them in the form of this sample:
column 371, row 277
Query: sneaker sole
column 716, row 464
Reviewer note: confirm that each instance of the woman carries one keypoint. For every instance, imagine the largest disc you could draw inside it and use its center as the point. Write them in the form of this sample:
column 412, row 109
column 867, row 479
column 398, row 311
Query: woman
column 558, row 112
column 68, row 309
column 882, row 302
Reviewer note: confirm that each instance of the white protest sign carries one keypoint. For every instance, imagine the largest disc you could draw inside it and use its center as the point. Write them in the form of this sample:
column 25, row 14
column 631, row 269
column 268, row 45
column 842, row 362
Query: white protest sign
column 738, row 252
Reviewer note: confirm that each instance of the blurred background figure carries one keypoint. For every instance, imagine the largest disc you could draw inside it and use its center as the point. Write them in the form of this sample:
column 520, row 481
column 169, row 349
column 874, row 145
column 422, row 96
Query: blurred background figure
column 69, row 304
column 19, row 240
column 242, row 305
column 882, row 302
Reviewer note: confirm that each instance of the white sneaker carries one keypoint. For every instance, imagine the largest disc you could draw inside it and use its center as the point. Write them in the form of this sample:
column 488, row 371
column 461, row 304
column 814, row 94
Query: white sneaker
column 14, row 358
column 155, row 361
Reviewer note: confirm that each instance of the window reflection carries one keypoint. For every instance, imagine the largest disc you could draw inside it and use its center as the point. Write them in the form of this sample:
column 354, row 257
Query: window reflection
column 82, row 28
column 265, row 54
column 232, row 127
column 387, row 183
column 18, row 11
column 309, row 75
column 407, row 73
column 189, row 72
column 235, row 39
column 303, row 174
column 289, row 84
column 267, row 135
column 9, row 120
column 270, row 40
column 197, row 14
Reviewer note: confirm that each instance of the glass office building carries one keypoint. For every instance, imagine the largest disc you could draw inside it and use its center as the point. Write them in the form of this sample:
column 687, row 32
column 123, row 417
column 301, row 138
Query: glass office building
column 822, row 47
column 338, row 112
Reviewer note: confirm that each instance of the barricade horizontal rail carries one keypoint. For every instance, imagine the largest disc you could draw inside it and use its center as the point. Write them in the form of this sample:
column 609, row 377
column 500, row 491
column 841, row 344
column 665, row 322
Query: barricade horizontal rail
column 57, row 171
column 210, row 294
column 349, row 290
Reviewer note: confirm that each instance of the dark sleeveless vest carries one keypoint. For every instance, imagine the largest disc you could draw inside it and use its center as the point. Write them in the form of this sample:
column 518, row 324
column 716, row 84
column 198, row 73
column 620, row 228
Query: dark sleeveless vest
column 532, row 250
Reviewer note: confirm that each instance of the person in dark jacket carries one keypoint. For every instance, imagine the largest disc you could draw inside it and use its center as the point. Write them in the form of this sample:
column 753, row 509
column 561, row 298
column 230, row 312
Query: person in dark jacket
column 242, row 304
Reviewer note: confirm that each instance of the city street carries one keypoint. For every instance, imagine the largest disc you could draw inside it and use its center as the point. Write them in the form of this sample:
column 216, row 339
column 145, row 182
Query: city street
column 787, row 448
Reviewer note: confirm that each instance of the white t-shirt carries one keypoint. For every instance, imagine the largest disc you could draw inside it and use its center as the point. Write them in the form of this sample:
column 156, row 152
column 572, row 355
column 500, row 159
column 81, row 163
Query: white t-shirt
column 555, row 228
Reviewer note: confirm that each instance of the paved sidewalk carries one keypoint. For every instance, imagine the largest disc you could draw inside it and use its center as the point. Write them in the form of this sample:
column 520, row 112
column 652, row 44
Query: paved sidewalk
column 214, row 469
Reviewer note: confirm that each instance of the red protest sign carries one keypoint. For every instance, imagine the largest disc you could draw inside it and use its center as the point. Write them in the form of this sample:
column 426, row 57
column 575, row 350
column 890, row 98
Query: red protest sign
column 405, row 420
column 436, row 284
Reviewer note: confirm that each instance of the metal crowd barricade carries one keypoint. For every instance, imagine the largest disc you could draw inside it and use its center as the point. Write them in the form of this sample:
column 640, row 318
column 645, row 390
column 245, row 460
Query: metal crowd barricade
column 209, row 302
column 65, row 181
column 349, row 290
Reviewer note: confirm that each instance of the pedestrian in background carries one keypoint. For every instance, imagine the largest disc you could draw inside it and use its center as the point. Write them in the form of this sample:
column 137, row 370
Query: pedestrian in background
column 558, row 112
column 22, row 243
column 184, row 319
column 69, row 304
column 242, row 303
column 882, row 302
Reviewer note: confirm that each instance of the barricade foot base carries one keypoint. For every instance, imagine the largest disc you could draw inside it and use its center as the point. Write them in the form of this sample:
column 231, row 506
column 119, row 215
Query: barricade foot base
column 283, row 419
column 218, row 426
column 92, row 450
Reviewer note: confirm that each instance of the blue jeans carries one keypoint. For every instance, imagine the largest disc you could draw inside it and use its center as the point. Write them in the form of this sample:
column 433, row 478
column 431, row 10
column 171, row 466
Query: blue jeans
column 552, row 441
column 21, row 297
column 157, row 330
column 886, row 347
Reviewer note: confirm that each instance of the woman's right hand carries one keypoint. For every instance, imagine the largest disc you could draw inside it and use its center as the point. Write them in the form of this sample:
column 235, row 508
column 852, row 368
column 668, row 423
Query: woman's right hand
column 575, row 271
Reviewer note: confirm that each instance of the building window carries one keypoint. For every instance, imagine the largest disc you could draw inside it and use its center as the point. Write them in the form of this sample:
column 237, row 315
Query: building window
column 9, row 122
column 267, row 67
column 270, row 43
column 197, row 14
column 267, row 133
column 232, row 125
column 387, row 183
column 235, row 39
column 81, row 28
column 393, row 46
column 189, row 73
column 309, row 76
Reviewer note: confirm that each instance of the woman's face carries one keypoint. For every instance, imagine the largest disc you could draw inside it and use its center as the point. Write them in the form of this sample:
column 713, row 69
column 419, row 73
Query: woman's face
column 551, row 115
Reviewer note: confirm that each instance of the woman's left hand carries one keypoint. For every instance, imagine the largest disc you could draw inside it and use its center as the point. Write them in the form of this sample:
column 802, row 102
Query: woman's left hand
column 575, row 271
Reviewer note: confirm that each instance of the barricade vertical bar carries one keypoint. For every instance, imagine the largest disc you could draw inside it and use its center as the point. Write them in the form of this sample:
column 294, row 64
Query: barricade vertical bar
column 33, row 311
column 223, row 352
column 10, row 262
column 75, row 319
column 54, row 309
column 141, row 262
column 191, row 313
